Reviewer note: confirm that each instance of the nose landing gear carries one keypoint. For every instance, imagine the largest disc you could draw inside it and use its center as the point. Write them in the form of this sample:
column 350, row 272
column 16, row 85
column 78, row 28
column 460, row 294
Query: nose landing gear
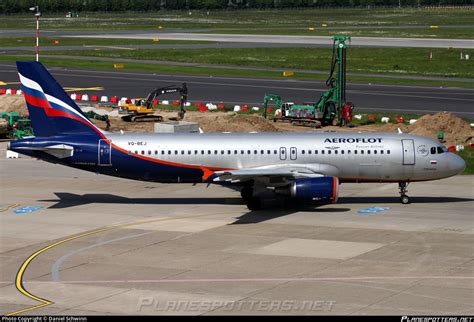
column 402, row 186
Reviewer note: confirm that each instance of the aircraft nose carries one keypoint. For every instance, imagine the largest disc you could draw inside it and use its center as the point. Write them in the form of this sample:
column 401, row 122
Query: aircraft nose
column 457, row 164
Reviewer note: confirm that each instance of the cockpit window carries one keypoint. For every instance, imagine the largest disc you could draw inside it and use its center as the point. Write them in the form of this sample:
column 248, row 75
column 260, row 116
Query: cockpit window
column 442, row 149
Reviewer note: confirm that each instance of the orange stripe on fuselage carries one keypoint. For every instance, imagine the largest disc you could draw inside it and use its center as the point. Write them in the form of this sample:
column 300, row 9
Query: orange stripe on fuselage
column 207, row 171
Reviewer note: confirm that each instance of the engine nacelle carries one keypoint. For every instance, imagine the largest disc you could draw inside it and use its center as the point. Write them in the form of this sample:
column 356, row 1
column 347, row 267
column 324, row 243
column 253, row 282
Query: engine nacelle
column 313, row 190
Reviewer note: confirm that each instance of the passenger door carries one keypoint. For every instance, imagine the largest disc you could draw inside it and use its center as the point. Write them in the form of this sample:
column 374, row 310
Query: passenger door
column 293, row 153
column 408, row 147
column 105, row 153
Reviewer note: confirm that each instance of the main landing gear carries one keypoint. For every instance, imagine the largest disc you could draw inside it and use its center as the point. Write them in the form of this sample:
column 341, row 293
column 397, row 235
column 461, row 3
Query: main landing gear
column 404, row 199
column 253, row 203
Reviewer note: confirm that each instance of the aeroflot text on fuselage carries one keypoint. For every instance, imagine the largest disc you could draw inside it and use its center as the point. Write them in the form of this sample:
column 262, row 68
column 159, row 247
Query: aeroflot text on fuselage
column 353, row 140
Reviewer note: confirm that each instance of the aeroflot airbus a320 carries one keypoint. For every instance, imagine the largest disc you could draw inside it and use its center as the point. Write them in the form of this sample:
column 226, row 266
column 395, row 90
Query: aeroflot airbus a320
column 306, row 167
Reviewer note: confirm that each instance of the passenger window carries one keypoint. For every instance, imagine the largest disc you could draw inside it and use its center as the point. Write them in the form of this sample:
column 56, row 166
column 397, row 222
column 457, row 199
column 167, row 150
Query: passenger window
column 368, row 151
column 348, row 151
column 269, row 152
column 136, row 152
column 315, row 151
column 255, row 151
column 302, row 151
column 202, row 151
column 381, row 151
column 355, row 151
column 229, row 152
column 242, row 152
column 335, row 152
column 235, row 151
column 175, row 151
column 215, row 152
column 208, row 151
column 189, row 152
column 322, row 151
column 361, row 151
column 275, row 152
column 149, row 152
column 342, row 151
column 309, row 151
column 329, row 151
column 249, row 152
column 143, row 152
column 262, row 152
column 375, row 151
column 388, row 151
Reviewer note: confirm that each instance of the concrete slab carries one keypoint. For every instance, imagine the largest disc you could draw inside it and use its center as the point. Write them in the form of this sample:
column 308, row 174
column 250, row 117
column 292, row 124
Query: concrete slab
column 317, row 248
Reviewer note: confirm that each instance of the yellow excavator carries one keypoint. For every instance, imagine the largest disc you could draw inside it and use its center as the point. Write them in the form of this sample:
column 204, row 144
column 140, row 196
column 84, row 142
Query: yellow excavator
column 142, row 110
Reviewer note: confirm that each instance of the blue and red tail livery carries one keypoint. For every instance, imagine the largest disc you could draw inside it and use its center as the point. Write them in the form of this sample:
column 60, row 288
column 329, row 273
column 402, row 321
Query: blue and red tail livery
column 52, row 111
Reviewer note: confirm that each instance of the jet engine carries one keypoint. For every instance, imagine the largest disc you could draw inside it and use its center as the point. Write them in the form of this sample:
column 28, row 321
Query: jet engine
column 312, row 190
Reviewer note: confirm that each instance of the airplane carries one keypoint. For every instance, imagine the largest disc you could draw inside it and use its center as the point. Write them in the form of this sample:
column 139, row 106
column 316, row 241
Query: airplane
column 305, row 168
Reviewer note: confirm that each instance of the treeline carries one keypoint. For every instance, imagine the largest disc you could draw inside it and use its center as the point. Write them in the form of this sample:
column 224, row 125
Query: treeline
column 18, row 6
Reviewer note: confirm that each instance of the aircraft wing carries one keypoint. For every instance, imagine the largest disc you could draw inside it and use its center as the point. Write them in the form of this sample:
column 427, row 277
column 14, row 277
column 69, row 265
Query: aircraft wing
column 276, row 175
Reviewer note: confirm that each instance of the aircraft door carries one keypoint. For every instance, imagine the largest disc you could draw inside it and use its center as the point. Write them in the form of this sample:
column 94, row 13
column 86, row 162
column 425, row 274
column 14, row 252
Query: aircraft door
column 282, row 153
column 293, row 153
column 408, row 147
column 105, row 152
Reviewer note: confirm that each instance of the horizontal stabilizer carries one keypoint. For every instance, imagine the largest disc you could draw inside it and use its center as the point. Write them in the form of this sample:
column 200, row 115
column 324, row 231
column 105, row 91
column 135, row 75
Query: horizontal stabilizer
column 59, row 150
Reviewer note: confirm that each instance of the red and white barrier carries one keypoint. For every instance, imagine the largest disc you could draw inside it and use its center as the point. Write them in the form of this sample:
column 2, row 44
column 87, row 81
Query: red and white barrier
column 84, row 97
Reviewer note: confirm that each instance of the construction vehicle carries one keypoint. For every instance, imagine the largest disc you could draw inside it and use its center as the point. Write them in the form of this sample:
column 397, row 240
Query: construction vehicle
column 331, row 108
column 99, row 117
column 142, row 110
column 15, row 126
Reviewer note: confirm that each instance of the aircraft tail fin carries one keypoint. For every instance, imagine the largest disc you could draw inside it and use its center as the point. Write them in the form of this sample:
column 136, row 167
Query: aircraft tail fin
column 52, row 111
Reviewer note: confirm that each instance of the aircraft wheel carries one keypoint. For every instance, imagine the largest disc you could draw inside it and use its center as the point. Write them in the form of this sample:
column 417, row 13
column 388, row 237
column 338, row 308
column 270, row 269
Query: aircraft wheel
column 404, row 199
column 254, row 203
column 246, row 193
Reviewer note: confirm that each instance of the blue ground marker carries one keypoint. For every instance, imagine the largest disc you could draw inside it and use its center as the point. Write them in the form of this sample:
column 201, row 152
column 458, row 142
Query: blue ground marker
column 27, row 209
column 372, row 210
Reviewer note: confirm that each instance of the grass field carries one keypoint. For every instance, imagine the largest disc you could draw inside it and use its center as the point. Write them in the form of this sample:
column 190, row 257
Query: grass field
column 468, row 156
column 407, row 22
column 394, row 61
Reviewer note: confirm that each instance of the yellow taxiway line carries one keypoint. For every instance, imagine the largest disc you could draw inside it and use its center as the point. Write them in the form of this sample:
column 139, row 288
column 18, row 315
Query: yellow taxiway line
column 44, row 302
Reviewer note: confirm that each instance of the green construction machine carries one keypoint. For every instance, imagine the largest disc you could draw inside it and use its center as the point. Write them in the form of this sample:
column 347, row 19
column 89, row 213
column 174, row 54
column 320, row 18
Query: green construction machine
column 14, row 126
column 331, row 108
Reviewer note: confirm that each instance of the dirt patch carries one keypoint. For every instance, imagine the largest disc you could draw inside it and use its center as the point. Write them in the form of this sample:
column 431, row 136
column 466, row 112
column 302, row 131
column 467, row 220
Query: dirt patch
column 456, row 130
column 13, row 103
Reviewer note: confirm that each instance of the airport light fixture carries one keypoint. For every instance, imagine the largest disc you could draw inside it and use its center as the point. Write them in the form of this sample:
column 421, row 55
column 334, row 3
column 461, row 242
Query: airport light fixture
column 37, row 15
